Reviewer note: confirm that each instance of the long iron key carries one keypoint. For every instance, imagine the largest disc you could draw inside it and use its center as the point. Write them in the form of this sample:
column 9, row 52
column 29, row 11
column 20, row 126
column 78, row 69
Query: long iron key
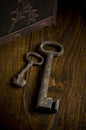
column 18, row 80
column 44, row 102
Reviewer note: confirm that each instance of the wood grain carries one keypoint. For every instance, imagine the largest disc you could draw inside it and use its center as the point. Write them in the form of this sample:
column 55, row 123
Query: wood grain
column 67, row 81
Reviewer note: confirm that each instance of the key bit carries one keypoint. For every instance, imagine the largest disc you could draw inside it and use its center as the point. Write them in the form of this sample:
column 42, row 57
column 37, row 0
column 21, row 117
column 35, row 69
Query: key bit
column 19, row 81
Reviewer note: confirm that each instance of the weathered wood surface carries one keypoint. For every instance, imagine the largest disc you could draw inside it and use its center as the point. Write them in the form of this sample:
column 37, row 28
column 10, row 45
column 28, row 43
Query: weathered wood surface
column 67, row 82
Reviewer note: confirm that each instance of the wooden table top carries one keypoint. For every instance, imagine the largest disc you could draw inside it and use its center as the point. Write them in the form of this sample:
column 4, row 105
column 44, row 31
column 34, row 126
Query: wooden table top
column 67, row 81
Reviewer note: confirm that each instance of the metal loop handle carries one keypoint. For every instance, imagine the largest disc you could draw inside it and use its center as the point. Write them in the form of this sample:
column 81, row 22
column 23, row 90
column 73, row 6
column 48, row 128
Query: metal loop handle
column 36, row 55
column 59, row 48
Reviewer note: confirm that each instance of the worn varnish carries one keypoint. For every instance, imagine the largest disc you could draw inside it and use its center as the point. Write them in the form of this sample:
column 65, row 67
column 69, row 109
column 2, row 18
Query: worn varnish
column 67, row 82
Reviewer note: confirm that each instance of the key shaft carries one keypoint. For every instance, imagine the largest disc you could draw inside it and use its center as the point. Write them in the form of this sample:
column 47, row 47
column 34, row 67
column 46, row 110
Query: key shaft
column 46, row 76
column 21, row 74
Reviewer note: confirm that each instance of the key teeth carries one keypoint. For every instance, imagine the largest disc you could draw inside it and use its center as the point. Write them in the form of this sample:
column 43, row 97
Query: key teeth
column 55, row 106
column 19, row 83
column 47, row 105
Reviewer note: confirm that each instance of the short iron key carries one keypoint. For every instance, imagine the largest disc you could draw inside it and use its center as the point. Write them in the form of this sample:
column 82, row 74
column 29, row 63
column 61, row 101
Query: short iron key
column 44, row 102
column 18, row 80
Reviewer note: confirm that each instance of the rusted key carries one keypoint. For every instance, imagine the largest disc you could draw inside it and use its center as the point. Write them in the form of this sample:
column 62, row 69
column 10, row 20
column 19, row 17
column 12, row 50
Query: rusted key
column 18, row 80
column 44, row 102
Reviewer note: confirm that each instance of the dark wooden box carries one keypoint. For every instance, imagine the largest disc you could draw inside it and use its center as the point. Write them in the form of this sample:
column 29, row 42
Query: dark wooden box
column 17, row 17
